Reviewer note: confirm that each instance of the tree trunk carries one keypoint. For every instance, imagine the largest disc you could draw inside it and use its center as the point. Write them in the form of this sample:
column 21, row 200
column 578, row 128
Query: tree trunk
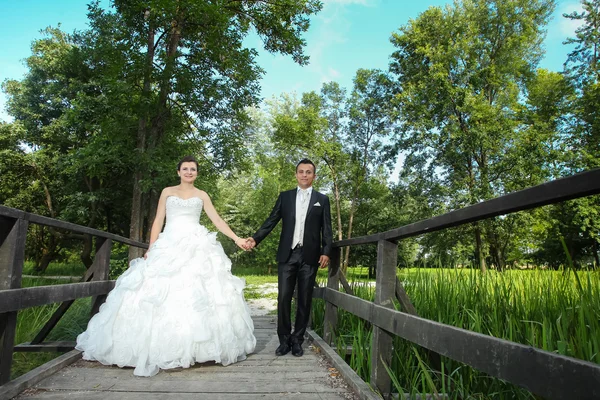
column 158, row 123
column 336, row 192
column 49, row 254
column 136, row 223
column 349, row 235
column 478, row 248
column 152, row 207
column 42, row 264
column 86, row 253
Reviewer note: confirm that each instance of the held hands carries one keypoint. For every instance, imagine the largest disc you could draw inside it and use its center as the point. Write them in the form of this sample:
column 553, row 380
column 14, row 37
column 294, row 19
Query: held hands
column 243, row 244
column 246, row 244
column 250, row 243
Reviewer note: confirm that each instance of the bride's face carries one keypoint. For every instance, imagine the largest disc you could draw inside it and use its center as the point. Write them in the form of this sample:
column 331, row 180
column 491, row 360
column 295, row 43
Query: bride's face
column 188, row 172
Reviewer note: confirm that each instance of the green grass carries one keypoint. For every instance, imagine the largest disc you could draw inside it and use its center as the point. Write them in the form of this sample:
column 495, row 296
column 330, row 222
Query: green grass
column 557, row 311
column 56, row 269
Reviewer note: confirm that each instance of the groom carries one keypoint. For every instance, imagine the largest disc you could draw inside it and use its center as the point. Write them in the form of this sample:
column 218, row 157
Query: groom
column 304, row 245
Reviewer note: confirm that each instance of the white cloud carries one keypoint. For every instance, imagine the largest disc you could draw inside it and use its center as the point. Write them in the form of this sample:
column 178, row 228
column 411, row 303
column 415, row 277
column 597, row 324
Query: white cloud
column 333, row 29
column 561, row 27
column 333, row 72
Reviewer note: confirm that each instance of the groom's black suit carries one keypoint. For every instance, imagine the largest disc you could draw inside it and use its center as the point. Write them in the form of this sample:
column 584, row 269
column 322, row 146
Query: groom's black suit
column 300, row 264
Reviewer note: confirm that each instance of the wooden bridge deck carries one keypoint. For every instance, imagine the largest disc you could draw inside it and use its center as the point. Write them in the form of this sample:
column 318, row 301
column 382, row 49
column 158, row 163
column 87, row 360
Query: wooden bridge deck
column 261, row 376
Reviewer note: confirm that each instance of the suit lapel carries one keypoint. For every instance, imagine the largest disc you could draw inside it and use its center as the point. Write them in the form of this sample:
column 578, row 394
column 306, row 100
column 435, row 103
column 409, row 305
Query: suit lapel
column 313, row 200
column 293, row 195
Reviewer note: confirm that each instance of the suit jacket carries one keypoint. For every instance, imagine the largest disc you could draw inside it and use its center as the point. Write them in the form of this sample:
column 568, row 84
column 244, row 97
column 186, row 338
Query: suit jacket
column 317, row 227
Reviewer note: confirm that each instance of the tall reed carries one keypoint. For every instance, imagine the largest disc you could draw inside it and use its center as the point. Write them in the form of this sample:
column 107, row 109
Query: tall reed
column 558, row 311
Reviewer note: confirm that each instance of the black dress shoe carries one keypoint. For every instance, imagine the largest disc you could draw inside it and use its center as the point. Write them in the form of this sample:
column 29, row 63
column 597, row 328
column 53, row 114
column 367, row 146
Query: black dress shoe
column 283, row 349
column 297, row 350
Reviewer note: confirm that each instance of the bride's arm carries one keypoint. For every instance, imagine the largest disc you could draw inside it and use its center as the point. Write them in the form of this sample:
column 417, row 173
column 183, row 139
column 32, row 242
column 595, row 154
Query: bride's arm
column 159, row 220
column 221, row 225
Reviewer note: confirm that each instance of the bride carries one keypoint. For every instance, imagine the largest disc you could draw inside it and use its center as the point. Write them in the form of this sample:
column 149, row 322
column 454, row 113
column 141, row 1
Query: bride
column 179, row 304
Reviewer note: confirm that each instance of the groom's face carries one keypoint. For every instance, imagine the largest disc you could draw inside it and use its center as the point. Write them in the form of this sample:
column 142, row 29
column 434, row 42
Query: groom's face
column 305, row 175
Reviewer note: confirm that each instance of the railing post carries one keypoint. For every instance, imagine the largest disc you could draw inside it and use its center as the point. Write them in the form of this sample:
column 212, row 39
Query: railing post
column 382, row 348
column 331, row 311
column 13, row 234
column 101, row 267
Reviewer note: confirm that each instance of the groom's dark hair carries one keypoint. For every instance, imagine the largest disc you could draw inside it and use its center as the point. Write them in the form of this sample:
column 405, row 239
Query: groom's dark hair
column 306, row 161
column 187, row 159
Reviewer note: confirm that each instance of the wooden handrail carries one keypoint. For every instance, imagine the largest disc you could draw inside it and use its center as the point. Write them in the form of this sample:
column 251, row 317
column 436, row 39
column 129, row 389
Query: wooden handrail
column 55, row 223
column 19, row 299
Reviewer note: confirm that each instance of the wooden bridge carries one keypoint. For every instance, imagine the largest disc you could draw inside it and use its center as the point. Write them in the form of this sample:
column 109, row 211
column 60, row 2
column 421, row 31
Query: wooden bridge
column 263, row 375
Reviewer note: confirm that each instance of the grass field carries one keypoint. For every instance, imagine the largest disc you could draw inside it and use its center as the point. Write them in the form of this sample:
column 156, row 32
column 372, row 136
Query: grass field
column 557, row 311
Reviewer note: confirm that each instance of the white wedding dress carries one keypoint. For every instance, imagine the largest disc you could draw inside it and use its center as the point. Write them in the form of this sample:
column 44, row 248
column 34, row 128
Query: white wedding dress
column 179, row 306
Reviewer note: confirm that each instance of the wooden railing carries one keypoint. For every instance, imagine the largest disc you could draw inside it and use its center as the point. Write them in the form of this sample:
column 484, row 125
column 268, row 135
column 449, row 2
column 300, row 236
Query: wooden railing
column 543, row 373
column 95, row 283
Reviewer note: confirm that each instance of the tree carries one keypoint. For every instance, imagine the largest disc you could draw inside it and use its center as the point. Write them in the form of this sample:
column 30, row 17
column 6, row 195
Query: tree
column 75, row 176
column 459, row 74
column 315, row 128
column 369, row 122
column 344, row 132
column 187, row 59
column 583, row 70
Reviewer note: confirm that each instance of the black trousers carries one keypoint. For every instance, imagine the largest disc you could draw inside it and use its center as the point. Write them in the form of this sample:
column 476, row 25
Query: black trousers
column 290, row 272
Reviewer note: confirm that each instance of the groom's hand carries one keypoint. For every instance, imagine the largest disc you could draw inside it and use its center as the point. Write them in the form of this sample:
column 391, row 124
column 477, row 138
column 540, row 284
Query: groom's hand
column 323, row 261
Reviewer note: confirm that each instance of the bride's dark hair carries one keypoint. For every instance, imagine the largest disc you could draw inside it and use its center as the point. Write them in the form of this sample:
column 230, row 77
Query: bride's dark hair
column 187, row 159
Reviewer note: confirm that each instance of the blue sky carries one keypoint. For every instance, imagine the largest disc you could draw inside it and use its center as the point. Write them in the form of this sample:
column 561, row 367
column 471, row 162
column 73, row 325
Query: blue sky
column 345, row 36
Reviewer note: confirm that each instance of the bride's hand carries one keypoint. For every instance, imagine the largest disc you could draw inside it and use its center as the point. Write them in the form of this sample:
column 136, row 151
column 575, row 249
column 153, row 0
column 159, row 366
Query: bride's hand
column 241, row 243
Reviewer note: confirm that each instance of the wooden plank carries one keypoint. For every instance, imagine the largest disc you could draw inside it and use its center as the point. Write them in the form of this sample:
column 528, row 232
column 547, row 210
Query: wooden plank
column 572, row 187
column 9, row 323
column 360, row 387
column 403, row 299
column 36, row 375
column 18, row 299
column 208, row 369
column 12, row 255
column 12, row 252
column 52, row 321
column 345, row 283
column 331, row 314
column 385, row 288
column 41, row 220
column 101, row 267
column 59, row 346
column 110, row 395
column 81, row 375
column 184, row 381
column 546, row 374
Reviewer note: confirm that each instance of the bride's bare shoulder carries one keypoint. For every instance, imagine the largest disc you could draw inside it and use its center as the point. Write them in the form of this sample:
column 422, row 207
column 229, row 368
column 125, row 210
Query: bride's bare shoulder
column 168, row 191
column 202, row 194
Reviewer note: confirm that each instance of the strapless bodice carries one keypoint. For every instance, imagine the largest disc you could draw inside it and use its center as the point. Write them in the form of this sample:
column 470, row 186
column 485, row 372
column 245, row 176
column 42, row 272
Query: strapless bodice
column 183, row 211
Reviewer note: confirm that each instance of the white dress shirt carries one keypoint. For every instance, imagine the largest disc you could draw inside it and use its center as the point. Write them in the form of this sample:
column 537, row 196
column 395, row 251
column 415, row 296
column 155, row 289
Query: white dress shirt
column 301, row 211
